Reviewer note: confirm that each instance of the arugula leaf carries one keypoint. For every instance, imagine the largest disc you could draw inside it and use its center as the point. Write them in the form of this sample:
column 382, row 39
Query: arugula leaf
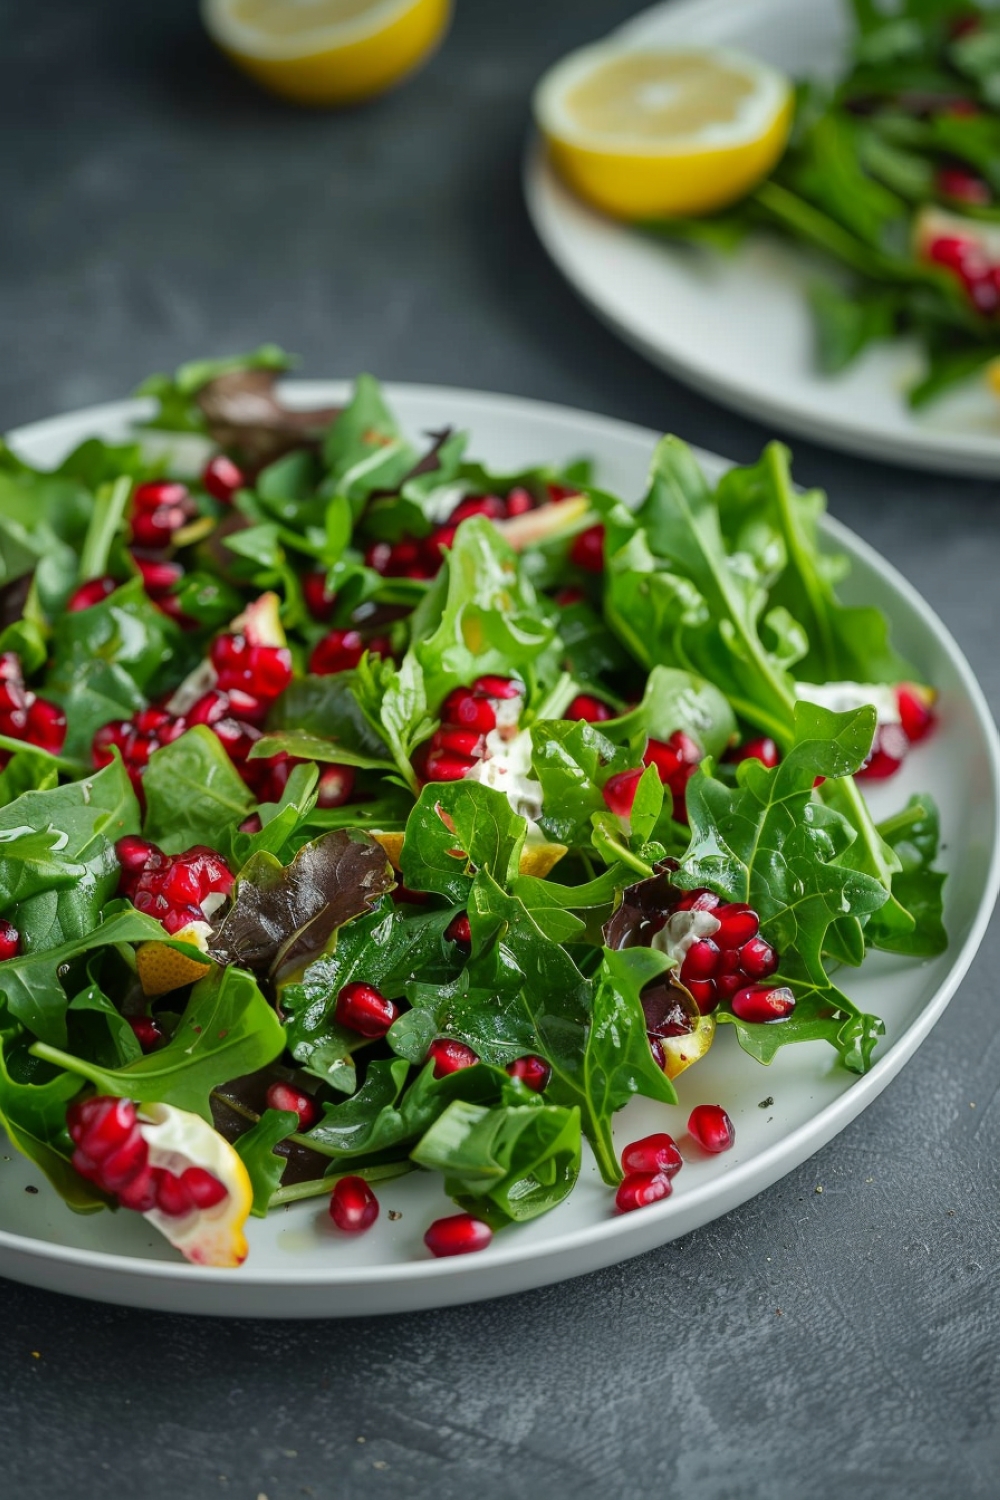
column 572, row 760
column 256, row 1151
column 491, row 1021
column 227, row 1029
column 194, row 794
column 394, row 702
column 103, row 660
column 34, row 1118
column 305, row 746
column 672, row 700
column 913, row 836
column 507, row 1164
column 456, row 828
column 283, row 916
column 89, row 816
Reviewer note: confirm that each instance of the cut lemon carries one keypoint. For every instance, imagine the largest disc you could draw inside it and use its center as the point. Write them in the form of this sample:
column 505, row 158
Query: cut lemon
column 327, row 51
column 211, row 1235
column 662, row 133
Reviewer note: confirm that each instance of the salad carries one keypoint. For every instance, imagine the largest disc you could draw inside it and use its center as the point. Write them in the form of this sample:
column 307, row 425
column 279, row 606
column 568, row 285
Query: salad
column 364, row 811
column 892, row 174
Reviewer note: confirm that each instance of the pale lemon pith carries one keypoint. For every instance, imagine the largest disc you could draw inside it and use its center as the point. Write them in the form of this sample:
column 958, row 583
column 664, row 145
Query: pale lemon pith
column 327, row 52
column 656, row 133
column 681, row 1051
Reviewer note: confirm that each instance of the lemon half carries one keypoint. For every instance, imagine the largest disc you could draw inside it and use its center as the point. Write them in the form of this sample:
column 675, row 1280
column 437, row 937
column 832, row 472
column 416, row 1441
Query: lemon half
column 327, row 51
column 662, row 133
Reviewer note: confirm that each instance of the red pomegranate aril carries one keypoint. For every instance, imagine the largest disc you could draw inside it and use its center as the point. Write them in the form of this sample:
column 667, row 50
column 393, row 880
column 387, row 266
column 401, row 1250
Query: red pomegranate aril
column 222, row 478
column 442, row 765
column 158, row 575
column 640, row 1189
column 176, row 918
column 134, row 853
column 984, row 294
column 591, row 710
column 339, row 651
column 203, row 1188
column 459, row 1234
column 763, row 1003
column 738, row 924
column 701, row 960
column 952, row 251
column 726, row 985
column 172, row 1196
column 887, row 754
column 915, row 713
column 100, row 1125
column 319, row 602
column 10, row 940
column 560, row 492
column 963, row 186
column 763, row 749
column 519, row 501
column 566, row 598
column 147, row 1032
column 10, row 667
column 253, row 824
column 450, row 1057
column 335, row 787
column 120, row 1165
column 141, row 1193
column 46, row 726
column 90, row 593
column 654, row 1153
column 490, row 506
column 210, row 708
column 155, row 493
column 155, row 528
column 698, row 900
column 458, row 930
column 353, row 1205
column 712, row 1128
column 619, row 792
column 657, row 1049
column 14, row 697
column 379, row 556
column 587, row 550
column 295, row 1101
column 504, row 688
column 757, row 958
column 704, row 995
column 533, row 1071
column 361, row 1008
column 180, row 886
column 467, row 710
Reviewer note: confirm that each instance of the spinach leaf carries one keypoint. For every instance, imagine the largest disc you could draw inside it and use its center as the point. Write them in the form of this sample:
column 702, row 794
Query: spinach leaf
column 456, row 828
column 572, row 761
column 487, row 1018
column 194, row 794
column 913, row 836
column 34, row 1117
column 256, row 1151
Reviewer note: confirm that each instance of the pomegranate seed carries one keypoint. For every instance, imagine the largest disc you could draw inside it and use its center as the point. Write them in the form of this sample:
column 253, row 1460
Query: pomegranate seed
column 339, row 651
column 712, row 1128
column 222, row 478
column 10, row 940
column 458, row 930
column 504, row 688
column 172, row 1196
column 450, row 1057
column 640, row 1189
column 984, row 293
column 490, row 506
column 701, row 960
column 119, row 1166
column 560, row 492
column 361, row 1008
column 319, row 602
column 915, row 712
column 252, row 824
column 566, row 598
column 654, row 1153
column 587, row 551
column 588, row 708
column 738, row 923
column 762, row 749
column 460, row 1234
column 762, row 1003
column 178, row 917
column 209, row 708
column 704, row 995
column 203, row 1188
column 155, row 528
column 532, row 1070
column 101, row 1124
column 14, row 698
column 952, row 251
column 336, row 784
column 726, row 985
column 757, row 958
column 141, row 1193
column 158, row 575
column 441, row 765
column 295, row 1101
column 159, row 492
column 402, row 895
column 134, row 853
column 520, row 501
column 46, row 726
column 353, row 1205
column 619, row 792
column 379, row 557
column 467, row 743
column 674, row 758
column 466, row 710
column 148, row 1033
column 887, row 753
column 963, row 186
column 698, row 900
column 10, row 667
column 92, row 592
column 656, row 1048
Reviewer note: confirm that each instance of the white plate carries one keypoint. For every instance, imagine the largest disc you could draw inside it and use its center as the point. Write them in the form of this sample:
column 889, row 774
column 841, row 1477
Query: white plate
column 298, row 1265
column 738, row 328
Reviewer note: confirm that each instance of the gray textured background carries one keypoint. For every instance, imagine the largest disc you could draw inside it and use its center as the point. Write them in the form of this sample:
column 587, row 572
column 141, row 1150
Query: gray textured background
column 155, row 208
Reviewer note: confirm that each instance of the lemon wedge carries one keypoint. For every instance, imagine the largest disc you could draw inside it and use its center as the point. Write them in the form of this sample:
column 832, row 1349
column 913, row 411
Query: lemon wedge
column 662, row 133
column 208, row 1236
column 327, row 52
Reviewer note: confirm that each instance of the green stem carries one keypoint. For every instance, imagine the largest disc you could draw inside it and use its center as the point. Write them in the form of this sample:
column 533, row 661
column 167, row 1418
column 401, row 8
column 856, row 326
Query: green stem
column 322, row 1186
column 106, row 517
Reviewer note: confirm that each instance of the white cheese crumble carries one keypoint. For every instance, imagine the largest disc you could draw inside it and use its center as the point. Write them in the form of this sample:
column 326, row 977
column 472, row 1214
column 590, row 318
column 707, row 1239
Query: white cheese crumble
column 507, row 764
column 682, row 930
column 840, row 697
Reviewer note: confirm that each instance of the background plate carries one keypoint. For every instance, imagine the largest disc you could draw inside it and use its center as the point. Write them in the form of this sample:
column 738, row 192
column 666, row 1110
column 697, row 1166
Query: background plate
column 298, row 1265
column 738, row 328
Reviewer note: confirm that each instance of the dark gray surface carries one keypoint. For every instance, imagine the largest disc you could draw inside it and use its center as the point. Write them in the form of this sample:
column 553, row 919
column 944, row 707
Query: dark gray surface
column 157, row 208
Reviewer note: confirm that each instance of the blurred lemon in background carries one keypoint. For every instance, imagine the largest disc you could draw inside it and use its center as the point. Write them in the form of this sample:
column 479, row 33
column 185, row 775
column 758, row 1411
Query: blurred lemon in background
column 327, row 52
column 657, row 133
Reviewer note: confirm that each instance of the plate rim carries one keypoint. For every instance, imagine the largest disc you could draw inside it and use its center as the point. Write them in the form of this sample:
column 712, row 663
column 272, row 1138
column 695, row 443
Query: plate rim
column 627, row 1235
column 952, row 453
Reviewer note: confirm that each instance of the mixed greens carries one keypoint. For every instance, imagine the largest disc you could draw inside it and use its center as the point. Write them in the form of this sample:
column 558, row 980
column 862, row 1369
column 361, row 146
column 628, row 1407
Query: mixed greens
column 383, row 780
column 892, row 174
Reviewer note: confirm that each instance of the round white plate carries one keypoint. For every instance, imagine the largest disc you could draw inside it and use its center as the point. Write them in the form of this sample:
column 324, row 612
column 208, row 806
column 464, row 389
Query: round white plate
column 299, row 1266
column 738, row 328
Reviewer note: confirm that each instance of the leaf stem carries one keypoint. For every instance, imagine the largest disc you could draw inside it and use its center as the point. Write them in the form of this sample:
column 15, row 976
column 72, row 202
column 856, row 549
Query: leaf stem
column 322, row 1186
